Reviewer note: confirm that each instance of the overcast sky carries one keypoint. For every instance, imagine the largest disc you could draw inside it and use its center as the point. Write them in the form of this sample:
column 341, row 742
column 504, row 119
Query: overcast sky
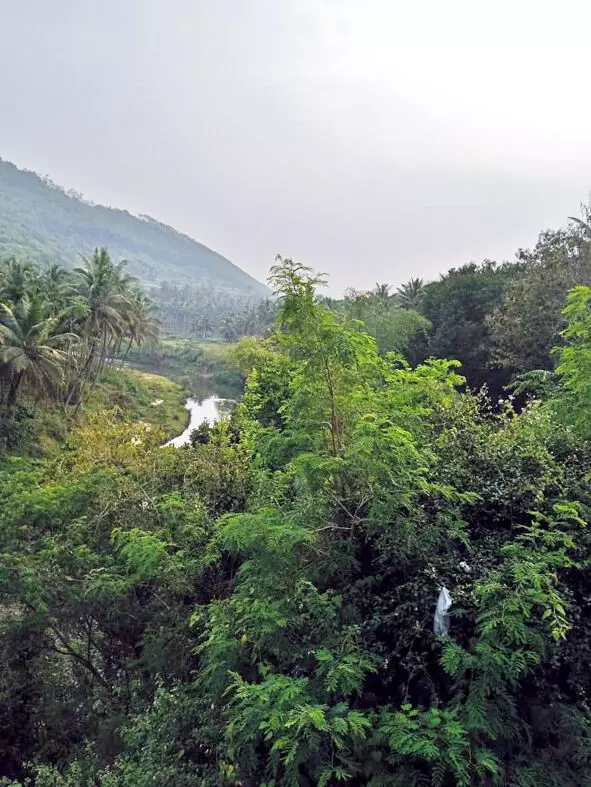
column 372, row 139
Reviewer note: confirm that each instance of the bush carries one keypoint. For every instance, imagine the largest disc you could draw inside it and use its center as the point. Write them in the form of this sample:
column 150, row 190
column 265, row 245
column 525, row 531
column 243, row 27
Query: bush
column 16, row 432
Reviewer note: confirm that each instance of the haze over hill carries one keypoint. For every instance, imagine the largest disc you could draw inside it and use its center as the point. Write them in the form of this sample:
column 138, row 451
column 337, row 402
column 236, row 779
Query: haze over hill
column 41, row 222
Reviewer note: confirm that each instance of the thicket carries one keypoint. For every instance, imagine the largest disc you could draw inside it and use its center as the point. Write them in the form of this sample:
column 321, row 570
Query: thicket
column 257, row 608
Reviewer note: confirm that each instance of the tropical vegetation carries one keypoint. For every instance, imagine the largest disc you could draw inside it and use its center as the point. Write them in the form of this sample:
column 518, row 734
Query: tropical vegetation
column 59, row 329
column 257, row 607
column 204, row 312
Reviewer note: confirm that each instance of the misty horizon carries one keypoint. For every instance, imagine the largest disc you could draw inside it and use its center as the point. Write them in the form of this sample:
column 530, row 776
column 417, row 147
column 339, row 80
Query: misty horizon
column 374, row 141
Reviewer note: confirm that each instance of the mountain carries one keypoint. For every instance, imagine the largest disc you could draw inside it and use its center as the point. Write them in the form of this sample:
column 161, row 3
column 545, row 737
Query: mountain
column 41, row 222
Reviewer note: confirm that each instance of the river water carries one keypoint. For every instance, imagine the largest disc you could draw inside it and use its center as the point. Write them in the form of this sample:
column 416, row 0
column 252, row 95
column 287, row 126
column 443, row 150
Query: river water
column 201, row 410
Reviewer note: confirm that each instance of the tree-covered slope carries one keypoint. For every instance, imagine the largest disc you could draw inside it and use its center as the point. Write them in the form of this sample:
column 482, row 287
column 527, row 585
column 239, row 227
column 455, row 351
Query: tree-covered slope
column 40, row 222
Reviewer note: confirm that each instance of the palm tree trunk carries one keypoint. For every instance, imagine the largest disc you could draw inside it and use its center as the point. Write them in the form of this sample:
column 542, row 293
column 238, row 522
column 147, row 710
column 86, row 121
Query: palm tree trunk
column 101, row 360
column 84, row 378
column 13, row 391
column 126, row 353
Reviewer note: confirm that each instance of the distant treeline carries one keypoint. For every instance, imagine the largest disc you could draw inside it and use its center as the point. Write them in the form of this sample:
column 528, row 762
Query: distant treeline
column 201, row 311
column 500, row 321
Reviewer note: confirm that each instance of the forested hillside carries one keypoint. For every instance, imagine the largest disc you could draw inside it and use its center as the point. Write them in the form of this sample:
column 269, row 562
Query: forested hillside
column 41, row 223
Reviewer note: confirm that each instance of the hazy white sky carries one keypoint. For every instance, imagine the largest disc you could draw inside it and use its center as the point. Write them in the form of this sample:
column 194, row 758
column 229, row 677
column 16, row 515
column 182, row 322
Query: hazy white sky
column 372, row 139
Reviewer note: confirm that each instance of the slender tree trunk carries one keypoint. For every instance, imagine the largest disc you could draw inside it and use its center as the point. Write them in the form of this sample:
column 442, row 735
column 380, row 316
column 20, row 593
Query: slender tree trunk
column 84, row 379
column 13, row 391
column 126, row 353
column 101, row 360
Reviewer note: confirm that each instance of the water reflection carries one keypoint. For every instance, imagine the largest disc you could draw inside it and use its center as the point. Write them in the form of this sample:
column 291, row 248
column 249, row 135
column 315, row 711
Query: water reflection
column 201, row 410
column 200, row 385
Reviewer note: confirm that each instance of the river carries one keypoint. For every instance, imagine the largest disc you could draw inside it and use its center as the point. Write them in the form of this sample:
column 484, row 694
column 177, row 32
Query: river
column 201, row 410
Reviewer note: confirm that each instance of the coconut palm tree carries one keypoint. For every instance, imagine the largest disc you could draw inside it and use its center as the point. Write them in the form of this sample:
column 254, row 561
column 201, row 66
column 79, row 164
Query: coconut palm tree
column 30, row 349
column 16, row 279
column 141, row 324
column 55, row 284
column 247, row 321
column 382, row 293
column 267, row 311
column 145, row 325
column 106, row 288
column 203, row 325
column 410, row 294
column 229, row 328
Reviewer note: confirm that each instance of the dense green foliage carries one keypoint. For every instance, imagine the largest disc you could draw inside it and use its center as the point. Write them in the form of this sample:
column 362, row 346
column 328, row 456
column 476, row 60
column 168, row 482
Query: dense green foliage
column 257, row 608
column 458, row 306
column 528, row 323
column 499, row 321
column 42, row 223
column 392, row 320
column 131, row 395
column 503, row 321
column 60, row 330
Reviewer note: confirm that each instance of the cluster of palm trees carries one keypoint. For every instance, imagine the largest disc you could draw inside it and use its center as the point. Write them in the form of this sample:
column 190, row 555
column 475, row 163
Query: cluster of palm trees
column 251, row 319
column 203, row 312
column 382, row 298
column 59, row 328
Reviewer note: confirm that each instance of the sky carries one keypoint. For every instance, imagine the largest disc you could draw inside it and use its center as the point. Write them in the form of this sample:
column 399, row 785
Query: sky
column 373, row 140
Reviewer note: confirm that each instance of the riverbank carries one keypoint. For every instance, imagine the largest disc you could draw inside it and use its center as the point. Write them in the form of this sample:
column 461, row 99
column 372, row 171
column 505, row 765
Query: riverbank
column 203, row 367
column 144, row 396
column 200, row 411
column 137, row 395
column 153, row 386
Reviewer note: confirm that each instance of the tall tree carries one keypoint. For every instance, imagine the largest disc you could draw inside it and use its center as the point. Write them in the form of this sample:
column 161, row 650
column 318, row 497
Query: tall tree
column 16, row 280
column 410, row 293
column 141, row 323
column 30, row 348
column 527, row 323
column 55, row 283
column 106, row 289
column 458, row 307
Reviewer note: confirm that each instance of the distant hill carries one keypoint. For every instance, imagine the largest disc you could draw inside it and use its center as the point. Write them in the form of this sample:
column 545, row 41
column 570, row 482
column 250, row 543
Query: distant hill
column 41, row 222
